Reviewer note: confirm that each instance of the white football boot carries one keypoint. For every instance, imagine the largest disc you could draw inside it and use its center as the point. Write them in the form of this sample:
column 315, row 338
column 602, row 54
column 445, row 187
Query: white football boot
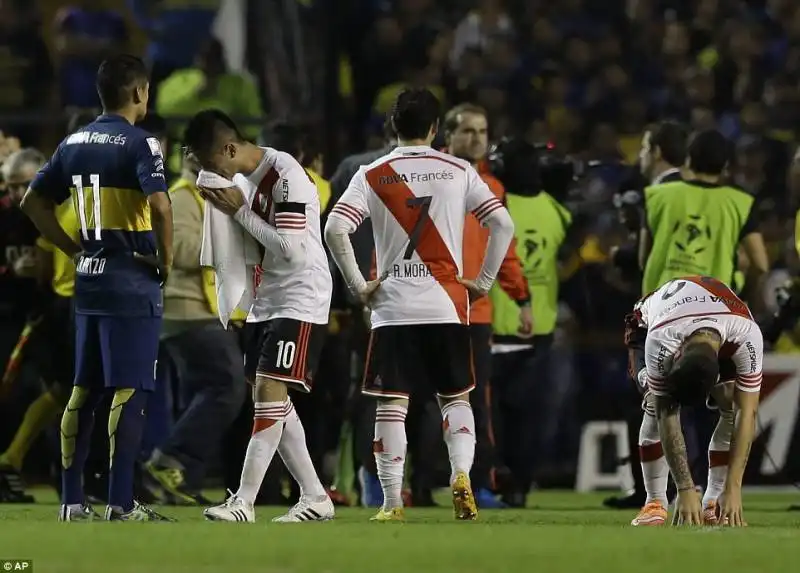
column 234, row 509
column 308, row 510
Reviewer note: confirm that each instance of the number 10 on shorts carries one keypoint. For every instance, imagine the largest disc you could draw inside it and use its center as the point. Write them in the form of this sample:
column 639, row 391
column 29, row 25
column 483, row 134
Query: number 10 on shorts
column 286, row 350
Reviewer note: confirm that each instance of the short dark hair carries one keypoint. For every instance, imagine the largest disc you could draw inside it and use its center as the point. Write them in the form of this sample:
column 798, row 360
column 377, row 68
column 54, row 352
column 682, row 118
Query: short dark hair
column 117, row 76
column 453, row 116
column 205, row 130
column 693, row 374
column 295, row 139
column 415, row 112
column 709, row 152
column 670, row 137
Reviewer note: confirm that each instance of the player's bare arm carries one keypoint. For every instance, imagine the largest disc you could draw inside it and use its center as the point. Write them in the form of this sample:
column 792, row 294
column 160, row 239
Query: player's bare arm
column 668, row 413
column 42, row 211
column 161, row 217
column 746, row 404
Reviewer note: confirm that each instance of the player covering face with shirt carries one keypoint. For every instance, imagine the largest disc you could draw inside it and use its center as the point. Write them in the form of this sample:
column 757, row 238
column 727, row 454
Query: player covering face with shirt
column 286, row 325
column 693, row 324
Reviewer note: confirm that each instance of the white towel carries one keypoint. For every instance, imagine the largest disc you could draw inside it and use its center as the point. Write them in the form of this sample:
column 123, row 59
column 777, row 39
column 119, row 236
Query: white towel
column 229, row 250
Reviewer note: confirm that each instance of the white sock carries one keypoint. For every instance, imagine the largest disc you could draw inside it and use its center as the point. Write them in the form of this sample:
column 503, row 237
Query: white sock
column 294, row 453
column 267, row 429
column 654, row 465
column 718, row 457
column 389, row 448
column 459, row 435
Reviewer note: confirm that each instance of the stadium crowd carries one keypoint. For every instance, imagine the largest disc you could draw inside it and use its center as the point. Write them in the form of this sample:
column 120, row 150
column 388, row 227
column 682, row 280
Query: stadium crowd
column 584, row 80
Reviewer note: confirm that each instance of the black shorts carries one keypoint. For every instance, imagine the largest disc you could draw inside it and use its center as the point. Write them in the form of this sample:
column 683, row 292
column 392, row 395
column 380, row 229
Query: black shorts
column 481, row 335
column 406, row 359
column 284, row 349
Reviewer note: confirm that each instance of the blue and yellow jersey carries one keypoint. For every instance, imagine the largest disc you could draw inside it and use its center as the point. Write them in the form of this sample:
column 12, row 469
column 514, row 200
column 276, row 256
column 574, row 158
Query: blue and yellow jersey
column 108, row 168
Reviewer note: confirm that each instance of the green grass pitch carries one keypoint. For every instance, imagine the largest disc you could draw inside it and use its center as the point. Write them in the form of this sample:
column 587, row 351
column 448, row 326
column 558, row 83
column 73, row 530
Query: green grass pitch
column 560, row 532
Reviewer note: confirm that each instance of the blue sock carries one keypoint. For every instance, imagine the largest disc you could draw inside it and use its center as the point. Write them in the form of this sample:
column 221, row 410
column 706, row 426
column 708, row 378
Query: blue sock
column 125, row 426
column 76, row 436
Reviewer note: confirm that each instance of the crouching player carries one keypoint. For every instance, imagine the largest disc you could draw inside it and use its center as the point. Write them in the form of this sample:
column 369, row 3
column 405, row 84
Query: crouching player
column 692, row 340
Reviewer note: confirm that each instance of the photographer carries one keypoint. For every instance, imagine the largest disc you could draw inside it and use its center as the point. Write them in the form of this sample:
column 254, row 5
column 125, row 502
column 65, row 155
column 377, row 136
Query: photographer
column 536, row 179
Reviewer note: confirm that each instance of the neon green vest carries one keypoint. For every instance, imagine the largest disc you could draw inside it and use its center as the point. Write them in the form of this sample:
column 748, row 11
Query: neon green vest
column 540, row 225
column 695, row 231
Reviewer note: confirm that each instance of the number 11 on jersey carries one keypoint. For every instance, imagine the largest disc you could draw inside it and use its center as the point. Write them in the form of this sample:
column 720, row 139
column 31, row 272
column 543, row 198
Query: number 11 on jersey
column 81, row 208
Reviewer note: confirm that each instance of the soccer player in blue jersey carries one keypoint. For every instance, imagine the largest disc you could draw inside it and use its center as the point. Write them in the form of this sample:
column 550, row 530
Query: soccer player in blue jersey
column 114, row 174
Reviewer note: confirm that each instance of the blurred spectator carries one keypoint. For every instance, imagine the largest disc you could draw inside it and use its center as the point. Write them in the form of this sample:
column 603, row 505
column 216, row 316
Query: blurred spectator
column 48, row 341
column 209, row 85
column 85, row 34
column 176, row 29
column 478, row 27
column 26, row 74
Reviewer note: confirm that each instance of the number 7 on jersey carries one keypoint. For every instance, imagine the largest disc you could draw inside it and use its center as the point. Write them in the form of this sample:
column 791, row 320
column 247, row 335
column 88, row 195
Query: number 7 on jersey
column 424, row 205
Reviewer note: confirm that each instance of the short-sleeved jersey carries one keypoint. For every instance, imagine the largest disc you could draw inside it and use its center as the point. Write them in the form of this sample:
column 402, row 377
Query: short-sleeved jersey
column 417, row 199
column 63, row 280
column 683, row 306
column 108, row 168
column 286, row 197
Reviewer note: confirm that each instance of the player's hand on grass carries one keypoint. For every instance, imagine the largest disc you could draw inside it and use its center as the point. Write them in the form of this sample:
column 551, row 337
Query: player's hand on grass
column 730, row 508
column 228, row 200
column 475, row 292
column 525, row 329
column 688, row 508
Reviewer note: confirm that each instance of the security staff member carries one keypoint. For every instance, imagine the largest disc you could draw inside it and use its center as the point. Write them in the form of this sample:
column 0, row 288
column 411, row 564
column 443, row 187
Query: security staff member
column 543, row 227
column 661, row 157
column 696, row 227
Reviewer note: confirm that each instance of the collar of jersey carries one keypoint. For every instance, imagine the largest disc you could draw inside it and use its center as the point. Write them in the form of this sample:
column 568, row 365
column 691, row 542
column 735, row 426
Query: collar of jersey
column 109, row 117
column 408, row 148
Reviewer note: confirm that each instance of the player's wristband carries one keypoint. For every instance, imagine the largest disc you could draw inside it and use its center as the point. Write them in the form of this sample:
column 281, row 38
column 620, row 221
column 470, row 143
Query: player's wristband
column 523, row 302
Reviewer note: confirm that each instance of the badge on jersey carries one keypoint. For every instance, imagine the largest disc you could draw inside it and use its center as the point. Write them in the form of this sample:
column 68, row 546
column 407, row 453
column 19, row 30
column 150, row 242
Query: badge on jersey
column 154, row 145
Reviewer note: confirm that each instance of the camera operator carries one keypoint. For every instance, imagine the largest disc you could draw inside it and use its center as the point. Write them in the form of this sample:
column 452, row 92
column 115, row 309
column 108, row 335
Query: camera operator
column 536, row 180
column 662, row 154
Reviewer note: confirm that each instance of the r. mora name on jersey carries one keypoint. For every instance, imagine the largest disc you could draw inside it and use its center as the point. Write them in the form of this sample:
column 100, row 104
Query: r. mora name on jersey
column 442, row 175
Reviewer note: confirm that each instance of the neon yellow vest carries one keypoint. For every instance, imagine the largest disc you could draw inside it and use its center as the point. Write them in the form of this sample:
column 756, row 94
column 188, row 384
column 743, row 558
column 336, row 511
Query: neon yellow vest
column 63, row 281
column 540, row 225
column 695, row 231
column 209, row 280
